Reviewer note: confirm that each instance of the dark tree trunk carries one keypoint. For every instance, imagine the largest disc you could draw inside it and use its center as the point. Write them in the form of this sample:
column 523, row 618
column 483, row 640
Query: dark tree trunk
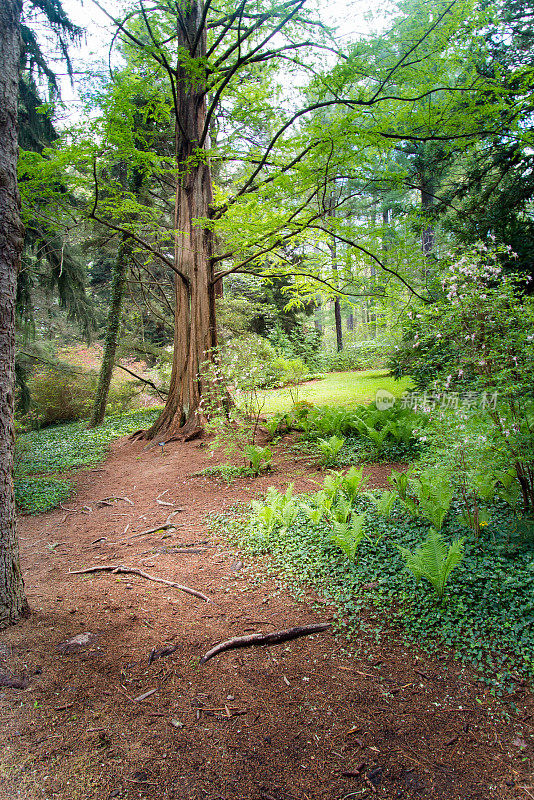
column 120, row 271
column 427, row 236
column 12, row 600
column 350, row 321
column 337, row 302
column 195, row 327
column 318, row 317
column 339, row 329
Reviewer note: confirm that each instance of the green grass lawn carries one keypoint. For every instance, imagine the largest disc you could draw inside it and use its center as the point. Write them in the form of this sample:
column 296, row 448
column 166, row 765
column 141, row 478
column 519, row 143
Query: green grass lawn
column 336, row 389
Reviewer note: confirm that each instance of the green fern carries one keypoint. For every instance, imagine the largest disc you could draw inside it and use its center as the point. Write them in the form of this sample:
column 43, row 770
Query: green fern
column 434, row 493
column 433, row 560
column 352, row 482
column 384, row 502
column 329, row 449
column 400, row 481
column 342, row 509
column 348, row 537
column 314, row 513
column 332, row 483
column 257, row 455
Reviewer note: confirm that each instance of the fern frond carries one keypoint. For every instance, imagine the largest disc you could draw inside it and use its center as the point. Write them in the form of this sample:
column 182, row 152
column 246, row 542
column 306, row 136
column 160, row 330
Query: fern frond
column 433, row 560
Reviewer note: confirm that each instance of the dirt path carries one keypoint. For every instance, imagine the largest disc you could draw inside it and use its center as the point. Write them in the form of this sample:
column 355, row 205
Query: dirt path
column 314, row 719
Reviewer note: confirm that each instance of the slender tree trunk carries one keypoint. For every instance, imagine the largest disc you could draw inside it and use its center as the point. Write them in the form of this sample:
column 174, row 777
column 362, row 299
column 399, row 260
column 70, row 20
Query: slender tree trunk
column 13, row 603
column 339, row 329
column 195, row 327
column 337, row 302
column 427, row 236
column 318, row 317
column 120, row 271
column 350, row 320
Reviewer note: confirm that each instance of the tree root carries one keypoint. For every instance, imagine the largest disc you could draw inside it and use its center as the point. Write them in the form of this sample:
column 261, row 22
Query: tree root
column 132, row 571
column 259, row 639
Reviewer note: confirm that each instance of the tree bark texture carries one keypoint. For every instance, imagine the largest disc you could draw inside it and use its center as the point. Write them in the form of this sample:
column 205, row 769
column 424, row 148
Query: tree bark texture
column 118, row 282
column 12, row 600
column 333, row 253
column 427, row 235
column 337, row 301
column 194, row 326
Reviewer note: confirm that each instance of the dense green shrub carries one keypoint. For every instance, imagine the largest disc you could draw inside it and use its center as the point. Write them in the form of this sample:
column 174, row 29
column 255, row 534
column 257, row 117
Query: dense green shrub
column 483, row 328
column 362, row 355
column 301, row 344
column 62, row 394
column 289, row 370
column 251, row 361
column 424, row 357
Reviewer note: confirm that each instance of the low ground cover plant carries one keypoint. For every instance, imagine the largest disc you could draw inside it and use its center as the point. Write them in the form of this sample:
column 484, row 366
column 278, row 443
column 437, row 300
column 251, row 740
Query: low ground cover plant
column 228, row 473
column 37, row 494
column 59, row 448
column 443, row 588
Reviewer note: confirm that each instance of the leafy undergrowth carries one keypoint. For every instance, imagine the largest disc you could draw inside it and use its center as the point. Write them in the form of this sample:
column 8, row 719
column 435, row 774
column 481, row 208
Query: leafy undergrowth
column 356, row 450
column 227, row 473
column 38, row 494
column 487, row 616
column 64, row 447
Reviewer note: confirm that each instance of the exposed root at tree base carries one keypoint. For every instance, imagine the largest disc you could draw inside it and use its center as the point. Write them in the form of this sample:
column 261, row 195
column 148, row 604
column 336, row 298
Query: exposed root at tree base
column 163, row 431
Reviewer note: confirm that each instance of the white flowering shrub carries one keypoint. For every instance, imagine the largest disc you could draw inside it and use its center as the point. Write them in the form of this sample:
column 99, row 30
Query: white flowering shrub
column 480, row 336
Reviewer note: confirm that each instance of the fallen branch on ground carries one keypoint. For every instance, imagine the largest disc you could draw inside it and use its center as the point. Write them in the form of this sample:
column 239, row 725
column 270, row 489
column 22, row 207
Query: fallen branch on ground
column 166, row 526
column 105, row 500
column 258, row 639
column 165, row 651
column 120, row 570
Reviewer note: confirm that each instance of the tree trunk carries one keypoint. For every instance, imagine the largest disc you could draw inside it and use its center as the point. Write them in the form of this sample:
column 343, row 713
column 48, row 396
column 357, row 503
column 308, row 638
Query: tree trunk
column 337, row 302
column 13, row 603
column 318, row 317
column 120, row 271
column 339, row 329
column 427, row 235
column 194, row 325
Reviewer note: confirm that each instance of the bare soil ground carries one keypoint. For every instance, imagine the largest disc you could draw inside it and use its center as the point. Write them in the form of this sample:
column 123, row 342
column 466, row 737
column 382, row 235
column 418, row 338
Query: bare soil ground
column 319, row 718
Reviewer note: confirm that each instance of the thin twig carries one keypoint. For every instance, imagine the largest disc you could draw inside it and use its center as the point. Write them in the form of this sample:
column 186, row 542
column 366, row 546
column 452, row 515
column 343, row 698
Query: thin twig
column 116, row 570
column 166, row 526
column 115, row 497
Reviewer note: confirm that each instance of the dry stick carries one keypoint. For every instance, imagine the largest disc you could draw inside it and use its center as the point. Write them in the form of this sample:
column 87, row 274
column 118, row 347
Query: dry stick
column 167, row 525
column 258, row 639
column 132, row 571
column 115, row 497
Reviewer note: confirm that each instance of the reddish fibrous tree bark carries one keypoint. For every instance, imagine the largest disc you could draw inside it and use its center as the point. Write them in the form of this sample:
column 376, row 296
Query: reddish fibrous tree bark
column 12, row 599
column 195, row 334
